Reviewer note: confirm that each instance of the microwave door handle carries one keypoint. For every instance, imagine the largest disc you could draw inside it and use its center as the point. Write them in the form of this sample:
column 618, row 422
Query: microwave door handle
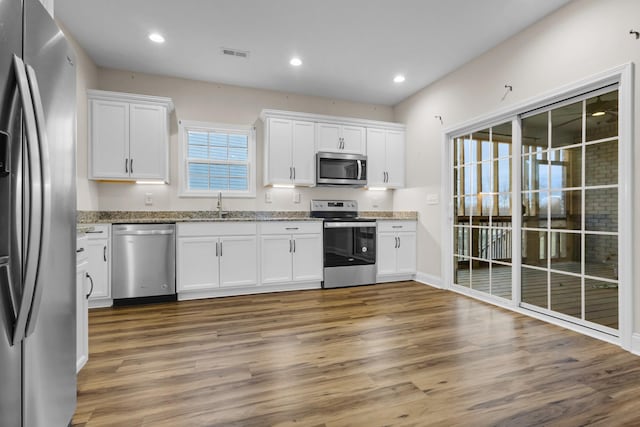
column 359, row 170
column 33, row 244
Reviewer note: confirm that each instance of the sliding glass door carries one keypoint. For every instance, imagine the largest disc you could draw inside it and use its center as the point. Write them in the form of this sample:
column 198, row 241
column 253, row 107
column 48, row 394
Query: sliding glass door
column 570, row 211
column 483, row 210
column 567, row 207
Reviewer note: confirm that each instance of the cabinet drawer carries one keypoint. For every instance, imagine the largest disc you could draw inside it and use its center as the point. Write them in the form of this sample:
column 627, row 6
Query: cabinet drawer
column 291, row 227
column 216, row 228
column 100, row 231
column 391, row 226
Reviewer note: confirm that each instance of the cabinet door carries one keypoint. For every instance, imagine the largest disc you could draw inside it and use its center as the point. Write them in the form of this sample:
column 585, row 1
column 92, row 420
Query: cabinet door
column 328, row 137
column 148, row 152
column 376, row 158
column 279, row 155
column 276, row 260
column 406, row 253
column 386, row 253
column 197, row 264
column 82, row 316
column 307, row 257
column 395, row 158
column 304, row 159
column 98, row 252
column 109, row 140
column 238, row 261
column 354, row 140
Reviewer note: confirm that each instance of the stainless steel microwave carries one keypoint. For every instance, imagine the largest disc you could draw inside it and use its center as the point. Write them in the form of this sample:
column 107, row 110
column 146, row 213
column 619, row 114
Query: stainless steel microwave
column 341, row 169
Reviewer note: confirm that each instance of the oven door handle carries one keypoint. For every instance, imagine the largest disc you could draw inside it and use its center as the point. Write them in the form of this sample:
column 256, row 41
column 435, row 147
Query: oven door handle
column 349, row 224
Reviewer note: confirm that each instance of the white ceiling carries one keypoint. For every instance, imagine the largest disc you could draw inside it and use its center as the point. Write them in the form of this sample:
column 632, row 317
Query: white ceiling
column 351, row 49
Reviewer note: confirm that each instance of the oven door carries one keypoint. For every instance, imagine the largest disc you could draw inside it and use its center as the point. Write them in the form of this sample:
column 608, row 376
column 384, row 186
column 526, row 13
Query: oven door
column 349, row 243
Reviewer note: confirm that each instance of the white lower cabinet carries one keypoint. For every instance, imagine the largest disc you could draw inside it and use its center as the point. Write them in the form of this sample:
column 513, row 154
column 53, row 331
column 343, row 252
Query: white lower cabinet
column 291, row 252
column 82, row 307
column 396, row 250
column 99, row 268
column 214, row 256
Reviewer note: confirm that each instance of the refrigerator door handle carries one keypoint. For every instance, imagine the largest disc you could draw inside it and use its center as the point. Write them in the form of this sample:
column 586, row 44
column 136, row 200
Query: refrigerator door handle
column 8, row 295
column 32, row 247
column 45, row 216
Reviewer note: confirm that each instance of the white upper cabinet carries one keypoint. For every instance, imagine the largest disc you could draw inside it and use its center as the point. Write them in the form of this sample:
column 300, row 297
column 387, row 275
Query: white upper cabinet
column 128, row 136
column 292, row 139
column 289, row 152
column 336, row 138
column 385, row 158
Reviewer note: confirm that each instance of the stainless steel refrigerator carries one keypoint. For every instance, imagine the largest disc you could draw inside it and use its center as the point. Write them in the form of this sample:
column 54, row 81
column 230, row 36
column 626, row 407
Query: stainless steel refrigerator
column 37, row 219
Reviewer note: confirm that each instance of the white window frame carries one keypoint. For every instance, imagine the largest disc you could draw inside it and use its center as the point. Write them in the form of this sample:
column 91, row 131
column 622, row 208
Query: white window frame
column 184, row 126
column 623, row 76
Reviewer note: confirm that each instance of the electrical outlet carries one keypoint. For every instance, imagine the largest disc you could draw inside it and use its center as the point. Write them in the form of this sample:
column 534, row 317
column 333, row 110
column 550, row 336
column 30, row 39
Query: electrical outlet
column 433, row 198
column 148, row 199
column 267, row 197
column 296, row 197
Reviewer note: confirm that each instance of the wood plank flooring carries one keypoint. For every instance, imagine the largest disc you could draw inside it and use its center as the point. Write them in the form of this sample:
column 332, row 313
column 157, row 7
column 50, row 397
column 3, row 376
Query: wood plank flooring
column 399, row 354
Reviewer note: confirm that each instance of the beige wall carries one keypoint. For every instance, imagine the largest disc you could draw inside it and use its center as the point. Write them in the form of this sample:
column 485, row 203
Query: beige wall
column 581, row 39
column 86, row 78
column 220, row 103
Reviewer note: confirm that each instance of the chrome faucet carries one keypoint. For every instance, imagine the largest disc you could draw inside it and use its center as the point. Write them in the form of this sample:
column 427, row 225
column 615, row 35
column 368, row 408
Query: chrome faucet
column 220, row 204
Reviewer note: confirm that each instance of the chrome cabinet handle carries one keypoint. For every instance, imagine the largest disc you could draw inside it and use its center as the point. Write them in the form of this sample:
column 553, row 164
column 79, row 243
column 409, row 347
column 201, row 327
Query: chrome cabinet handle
column 79, row 250
column 220, row 249
column 399, row 242
column 395, row 245
column 291, row 228
column 216, row 248
column 396, row 226
column 94, row 232
column 126, row 165
column 104, row 253
column 294, row 245
column 290, row 246
column 91, row 281
column 290, row 173
column 294, row 172
column 131, row 165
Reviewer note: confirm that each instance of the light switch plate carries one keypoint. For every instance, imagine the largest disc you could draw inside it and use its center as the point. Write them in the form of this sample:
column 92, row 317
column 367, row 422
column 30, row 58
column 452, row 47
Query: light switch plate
column 296, row 197
column 148, row 199
column 267, row 197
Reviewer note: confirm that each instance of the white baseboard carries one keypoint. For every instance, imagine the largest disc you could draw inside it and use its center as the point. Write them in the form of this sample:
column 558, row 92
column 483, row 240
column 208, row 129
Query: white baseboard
column 635, row 344
column 428, row 279
column 100, row 303
column 247, row 290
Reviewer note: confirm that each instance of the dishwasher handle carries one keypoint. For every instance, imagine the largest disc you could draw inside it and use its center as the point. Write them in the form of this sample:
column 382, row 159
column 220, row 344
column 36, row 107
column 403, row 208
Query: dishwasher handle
column 142, row 232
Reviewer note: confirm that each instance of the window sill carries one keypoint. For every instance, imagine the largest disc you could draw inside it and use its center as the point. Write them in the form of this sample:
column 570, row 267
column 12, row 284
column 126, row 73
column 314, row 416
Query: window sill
column 214, row 195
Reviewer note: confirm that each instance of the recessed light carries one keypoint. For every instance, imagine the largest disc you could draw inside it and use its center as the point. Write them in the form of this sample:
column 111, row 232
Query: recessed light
column 296, row 62
column 399, row 78
column 156, row 38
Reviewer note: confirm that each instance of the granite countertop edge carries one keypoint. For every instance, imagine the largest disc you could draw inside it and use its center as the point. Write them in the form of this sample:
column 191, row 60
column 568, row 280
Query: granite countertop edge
column 141, row 217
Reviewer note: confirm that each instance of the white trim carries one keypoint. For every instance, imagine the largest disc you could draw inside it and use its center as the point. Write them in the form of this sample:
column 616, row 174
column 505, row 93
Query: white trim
column 131, row 97
column 428, row 279
column 101, row 302
column 635, row 344
column 186, row 125
column 623, row 76
column 247, row 290
column 349, row 121
column 387, row 278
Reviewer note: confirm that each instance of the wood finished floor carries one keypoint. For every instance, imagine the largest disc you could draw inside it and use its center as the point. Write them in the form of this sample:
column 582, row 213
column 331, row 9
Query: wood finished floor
column 400, row 354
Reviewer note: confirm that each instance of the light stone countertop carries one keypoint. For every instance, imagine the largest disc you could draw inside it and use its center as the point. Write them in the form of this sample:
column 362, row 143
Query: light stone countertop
column 141, row 217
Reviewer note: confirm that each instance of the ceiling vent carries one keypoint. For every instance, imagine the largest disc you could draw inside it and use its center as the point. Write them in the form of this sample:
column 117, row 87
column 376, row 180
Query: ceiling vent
column 235, row 52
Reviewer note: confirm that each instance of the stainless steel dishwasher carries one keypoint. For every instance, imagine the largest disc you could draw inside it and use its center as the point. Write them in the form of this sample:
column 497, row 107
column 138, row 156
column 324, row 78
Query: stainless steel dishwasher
column 143, row 261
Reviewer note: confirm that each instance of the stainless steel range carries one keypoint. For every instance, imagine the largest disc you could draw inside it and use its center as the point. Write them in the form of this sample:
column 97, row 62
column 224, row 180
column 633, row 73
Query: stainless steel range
column 349, row 244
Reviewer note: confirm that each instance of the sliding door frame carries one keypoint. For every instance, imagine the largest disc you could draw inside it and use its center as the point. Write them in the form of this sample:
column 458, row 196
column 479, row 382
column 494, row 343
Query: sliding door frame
column 623, row 76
